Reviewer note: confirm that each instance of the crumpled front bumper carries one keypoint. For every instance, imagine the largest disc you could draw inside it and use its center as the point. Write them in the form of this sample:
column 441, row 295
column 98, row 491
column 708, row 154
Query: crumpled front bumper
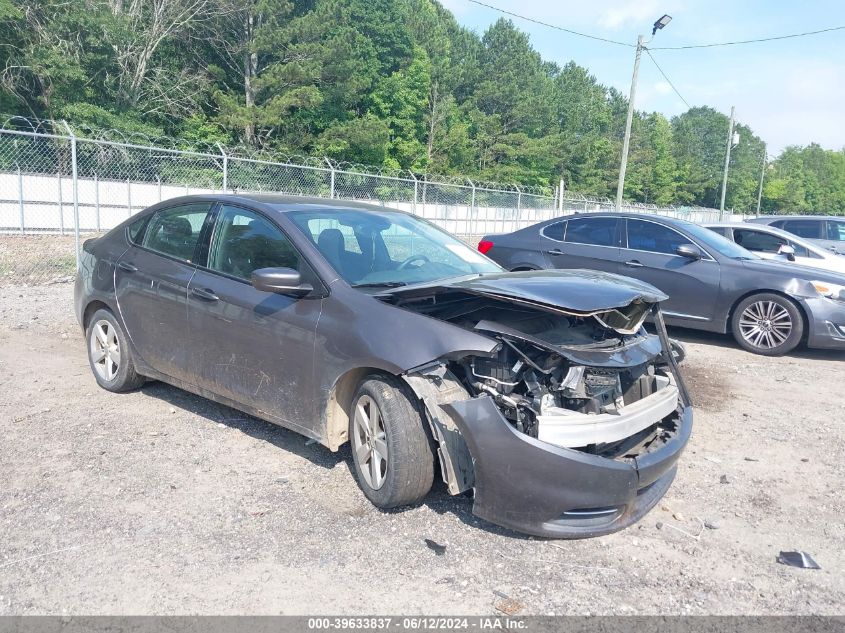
column 534, row 487
column 826, row 327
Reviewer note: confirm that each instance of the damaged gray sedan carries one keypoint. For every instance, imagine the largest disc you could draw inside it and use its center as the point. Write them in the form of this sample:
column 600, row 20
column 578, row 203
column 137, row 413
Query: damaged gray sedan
column 541, row 392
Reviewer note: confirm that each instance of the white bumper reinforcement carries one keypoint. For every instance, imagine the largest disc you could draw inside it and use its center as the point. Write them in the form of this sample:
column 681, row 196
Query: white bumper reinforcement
column 573, row 429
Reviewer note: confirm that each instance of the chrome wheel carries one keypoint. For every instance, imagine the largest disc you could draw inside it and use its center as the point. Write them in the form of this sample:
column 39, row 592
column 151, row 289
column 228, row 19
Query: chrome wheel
column 765, row 324
column 369, row 441
column 105, row 350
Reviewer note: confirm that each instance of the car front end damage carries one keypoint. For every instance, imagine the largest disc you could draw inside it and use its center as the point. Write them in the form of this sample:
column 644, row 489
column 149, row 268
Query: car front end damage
column 573, row 426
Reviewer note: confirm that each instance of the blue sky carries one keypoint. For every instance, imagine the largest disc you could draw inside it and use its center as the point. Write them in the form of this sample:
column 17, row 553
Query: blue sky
column 791, row 92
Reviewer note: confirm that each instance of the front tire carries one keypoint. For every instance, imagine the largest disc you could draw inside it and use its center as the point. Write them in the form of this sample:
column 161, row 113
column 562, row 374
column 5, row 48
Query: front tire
column 392, row 454
column 109, row 354
column 767, row 324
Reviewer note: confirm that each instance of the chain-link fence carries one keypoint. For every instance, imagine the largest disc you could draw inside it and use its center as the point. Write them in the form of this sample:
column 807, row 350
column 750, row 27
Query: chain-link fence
column 58, row 188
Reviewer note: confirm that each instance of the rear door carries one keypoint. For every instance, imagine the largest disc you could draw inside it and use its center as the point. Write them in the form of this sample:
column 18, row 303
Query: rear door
column 251, row 346
column 834, row 237
column 582, row 242
column 649, row 255
column 151, row 286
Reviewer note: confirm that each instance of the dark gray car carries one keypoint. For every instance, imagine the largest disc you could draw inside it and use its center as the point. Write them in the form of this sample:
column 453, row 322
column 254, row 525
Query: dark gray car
column 713, row 284
column 826, row 231
column 539, row 391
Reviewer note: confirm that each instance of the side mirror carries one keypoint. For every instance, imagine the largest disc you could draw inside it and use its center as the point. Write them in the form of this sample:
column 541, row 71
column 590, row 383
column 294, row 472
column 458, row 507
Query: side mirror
column 789, row 251
column 690, row 251
column 282, row 281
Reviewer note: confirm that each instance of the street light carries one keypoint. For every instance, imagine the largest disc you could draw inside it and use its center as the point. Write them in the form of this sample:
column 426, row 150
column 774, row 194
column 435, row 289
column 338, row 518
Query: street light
column 623, row 166
column 662, row 22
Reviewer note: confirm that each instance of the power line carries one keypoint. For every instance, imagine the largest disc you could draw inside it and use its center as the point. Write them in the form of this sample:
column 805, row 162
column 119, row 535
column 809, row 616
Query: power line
column 755, row 41
column 669, row 81
column 656, row 48
column 552, row 26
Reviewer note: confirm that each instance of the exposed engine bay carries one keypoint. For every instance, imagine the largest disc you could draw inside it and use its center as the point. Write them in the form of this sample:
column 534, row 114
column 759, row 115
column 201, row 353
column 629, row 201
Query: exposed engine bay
column 598, row 382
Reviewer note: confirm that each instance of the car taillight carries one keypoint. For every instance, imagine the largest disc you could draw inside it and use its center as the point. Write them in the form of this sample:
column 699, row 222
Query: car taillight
column 484, row 246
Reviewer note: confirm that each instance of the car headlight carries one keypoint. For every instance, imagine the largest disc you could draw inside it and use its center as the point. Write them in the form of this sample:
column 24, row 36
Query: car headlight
column 831, row 291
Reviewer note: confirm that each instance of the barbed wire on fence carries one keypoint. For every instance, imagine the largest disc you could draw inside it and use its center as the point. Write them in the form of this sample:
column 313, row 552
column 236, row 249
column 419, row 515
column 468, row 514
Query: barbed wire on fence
column 60, row 181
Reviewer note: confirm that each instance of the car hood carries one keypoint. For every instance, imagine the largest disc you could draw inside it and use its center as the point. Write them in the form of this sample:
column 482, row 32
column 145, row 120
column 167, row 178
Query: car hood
column 578, row 291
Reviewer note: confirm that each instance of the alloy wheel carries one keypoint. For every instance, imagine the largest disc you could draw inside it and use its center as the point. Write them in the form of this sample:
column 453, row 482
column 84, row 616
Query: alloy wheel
column 765, row 324
column 369, row 442
column 105, row 350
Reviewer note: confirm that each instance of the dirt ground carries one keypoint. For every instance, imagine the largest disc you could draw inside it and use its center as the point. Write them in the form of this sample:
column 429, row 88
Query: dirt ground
column 161, row 502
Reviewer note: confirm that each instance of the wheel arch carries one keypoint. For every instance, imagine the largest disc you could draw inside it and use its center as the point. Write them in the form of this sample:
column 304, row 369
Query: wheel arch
column 764, row 291
column 339, row 403
column 91, row 308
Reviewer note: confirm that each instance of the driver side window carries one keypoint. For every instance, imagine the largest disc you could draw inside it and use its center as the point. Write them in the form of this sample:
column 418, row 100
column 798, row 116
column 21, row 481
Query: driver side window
column 245, row 241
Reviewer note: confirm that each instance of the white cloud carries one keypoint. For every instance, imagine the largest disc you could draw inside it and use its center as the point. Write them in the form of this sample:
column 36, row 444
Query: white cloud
column 662, row 88
column 627, row 14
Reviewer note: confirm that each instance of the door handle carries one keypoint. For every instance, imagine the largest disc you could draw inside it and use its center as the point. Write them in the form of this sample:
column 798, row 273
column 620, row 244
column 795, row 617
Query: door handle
column 633, row 264
column 127, row 267
column 205, row 293
column 555, row 251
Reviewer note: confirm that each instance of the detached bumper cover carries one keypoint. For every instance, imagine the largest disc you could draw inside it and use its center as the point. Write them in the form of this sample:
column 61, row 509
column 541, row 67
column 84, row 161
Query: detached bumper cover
column 534, row 487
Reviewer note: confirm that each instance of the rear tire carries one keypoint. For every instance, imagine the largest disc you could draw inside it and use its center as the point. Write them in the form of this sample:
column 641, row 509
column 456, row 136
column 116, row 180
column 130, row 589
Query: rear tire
column 385, row 418
column 109, row 354
column 767, row 324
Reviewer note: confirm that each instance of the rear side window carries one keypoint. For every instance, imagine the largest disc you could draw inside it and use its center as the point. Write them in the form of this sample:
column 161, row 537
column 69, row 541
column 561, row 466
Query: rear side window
column 555, row 231
column 136, row 229
column 836, row 230
column 176, row 231
column 653, row 237
column 597, row 231
column 810, row 229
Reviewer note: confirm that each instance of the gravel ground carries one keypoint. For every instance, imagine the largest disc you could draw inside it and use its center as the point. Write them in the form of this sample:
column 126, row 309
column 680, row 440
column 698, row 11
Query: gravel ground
column 162, row 502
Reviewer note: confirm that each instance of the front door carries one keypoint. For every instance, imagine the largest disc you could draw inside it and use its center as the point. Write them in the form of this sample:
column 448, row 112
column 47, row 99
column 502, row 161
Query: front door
column 692, row 285
column 251, row 346
column 151, row 286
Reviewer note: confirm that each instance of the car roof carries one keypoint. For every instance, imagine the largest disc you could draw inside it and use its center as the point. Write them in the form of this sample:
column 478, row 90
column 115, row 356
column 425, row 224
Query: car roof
column 285, row 203
column 616, row 214
column 797, row 217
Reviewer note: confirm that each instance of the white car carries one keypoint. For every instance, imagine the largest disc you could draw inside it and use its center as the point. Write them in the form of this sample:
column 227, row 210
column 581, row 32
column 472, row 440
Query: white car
column 771, row 243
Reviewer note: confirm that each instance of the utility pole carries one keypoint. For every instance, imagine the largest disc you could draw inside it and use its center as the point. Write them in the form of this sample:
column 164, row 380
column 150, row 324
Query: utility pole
column 727, row 163
column 762, row 173
column 623, row 165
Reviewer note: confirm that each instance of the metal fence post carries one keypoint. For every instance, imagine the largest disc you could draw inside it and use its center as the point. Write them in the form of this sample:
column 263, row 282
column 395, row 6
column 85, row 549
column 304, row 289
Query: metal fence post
column 75, row 189
column 225, row 168
column 416, row 186
column 20, row 197
column 128, row 198
column 158, row 180
column 518, row 197
column 331, row 171
column 471, row 203
column 560, row 198
column 97, row 200
column 61, row 205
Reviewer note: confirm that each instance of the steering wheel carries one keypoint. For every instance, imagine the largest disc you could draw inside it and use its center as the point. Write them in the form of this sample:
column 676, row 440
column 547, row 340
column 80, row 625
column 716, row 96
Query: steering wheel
column 413, row 258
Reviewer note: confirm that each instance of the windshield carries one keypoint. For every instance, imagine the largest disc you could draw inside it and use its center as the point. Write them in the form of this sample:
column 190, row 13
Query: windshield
column 388, row 248
column 716, row 242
